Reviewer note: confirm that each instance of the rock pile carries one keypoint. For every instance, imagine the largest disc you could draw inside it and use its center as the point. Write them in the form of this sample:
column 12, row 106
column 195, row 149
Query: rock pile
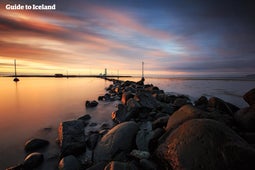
column 154, row 130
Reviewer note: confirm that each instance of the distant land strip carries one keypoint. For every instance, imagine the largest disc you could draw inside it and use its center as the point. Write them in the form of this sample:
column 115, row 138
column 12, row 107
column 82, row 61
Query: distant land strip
column 66, row 76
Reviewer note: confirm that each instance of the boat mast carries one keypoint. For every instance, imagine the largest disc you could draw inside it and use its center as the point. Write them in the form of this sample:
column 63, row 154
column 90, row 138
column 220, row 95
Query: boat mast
column 15, row 68
column 142, row 69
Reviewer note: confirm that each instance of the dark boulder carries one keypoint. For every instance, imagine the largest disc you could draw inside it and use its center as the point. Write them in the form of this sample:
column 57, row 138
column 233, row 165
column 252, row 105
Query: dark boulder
column 33, row 160
column 140, row 154
column 126, row 96
column 160, row 122
column 86, row 117
column 205, row 144
column 71, row 138
column 245, row 118
column 120, row 115
column 202, row 102
column 185, row 113
column 69, row 163
column 92, row 140
column 222, row 106
column 91, row 103
column 98, row 166
column 116, row 165
column 34, row 144
column 119, row 140
column 16, row 167
column 180, row 101
column 148, row 165
column 249, row 97
column 146, row 100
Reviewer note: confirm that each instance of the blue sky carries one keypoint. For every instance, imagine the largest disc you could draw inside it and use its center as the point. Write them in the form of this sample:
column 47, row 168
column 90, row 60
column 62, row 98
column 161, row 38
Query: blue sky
column 172, row 37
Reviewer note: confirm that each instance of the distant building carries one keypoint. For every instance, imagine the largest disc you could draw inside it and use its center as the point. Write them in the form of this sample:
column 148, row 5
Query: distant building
column 59, row 75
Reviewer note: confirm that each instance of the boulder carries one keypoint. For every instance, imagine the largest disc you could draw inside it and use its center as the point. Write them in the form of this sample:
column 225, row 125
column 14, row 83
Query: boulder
column 91, row 103
column 146, row 100
column 126, row 96
column 71, row 138
column 34, row 144
column 249, row 97
column 133, row 108
column 33, row 160
column 222, row 106
column 245, row 118
column 116, row 165
column 91, row 142
column 98, row 166
column 140, row 154
column 120, row 115
column 205, row 144
column 148, row 165
column 179, row 102
column 112, row 143
column 160, row 122
column 69, row 163
column 85, row 117
column 185, row 113
column 16, row 167
column 202, row 102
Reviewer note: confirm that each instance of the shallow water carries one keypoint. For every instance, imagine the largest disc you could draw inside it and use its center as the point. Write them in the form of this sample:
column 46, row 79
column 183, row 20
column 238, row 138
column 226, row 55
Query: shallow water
column 34, row 107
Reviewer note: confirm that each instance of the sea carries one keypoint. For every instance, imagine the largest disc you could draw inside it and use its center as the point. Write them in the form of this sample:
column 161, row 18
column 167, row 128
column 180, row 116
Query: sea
column 34, row 107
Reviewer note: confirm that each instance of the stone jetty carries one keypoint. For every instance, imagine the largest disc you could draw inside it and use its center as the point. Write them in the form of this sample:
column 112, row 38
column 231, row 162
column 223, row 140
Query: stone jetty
column 154, row 130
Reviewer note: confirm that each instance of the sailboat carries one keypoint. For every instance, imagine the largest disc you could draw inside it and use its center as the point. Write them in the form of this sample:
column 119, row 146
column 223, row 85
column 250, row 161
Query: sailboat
column 16, row 78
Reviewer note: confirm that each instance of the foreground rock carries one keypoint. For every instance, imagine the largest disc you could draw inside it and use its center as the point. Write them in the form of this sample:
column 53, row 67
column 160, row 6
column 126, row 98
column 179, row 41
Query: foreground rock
column 34, row 144
column 205, row 144
column 71, row 138
column 245, row 118
column 33, row 160
column 249, row 97
column 69, row 163
column 89, row 104
column 117, row 143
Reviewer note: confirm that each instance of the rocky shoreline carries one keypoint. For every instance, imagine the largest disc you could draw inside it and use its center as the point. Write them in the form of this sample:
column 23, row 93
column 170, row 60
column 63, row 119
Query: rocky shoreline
column 153, row 130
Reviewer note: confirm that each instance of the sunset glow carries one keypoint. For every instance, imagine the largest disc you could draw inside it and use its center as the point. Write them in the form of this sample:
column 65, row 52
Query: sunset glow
column 84, row 37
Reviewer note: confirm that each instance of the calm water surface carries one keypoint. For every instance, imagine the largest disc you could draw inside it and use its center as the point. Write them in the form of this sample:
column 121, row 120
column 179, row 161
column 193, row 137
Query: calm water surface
column 33, row 104
column 34, row 107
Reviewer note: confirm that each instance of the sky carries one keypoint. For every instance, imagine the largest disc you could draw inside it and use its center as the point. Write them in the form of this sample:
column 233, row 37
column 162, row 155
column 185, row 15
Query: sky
column 172, row 37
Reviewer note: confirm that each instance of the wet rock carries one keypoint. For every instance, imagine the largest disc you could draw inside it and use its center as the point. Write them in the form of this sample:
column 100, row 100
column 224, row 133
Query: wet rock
column 185, row 113
column 179, row 102
column 34, row 144
column 98, row 166
column 91, row 103
column 160, row 122
column 111, row 144
column 245, row 118
column 91, row 142
column 126, row 96
column 249, row 97
column 86, row 117
column 116, row 165
column 249, row 137
column 33, row 160
column 146, row 100
column 205, row 144
column 71, row 138
column 120, row 115
column 222, row 106
column 16, row 167
column 202, row 102
column 143, row 139
column 148, row 165
column 140, row 154
column 69, row 163
column 133, row 109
